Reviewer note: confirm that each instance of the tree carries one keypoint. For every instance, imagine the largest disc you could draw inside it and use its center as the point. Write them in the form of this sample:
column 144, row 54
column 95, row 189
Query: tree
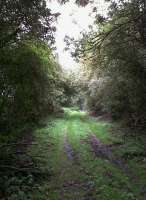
column 21, row 19
column 115, row 53
column 29, row 78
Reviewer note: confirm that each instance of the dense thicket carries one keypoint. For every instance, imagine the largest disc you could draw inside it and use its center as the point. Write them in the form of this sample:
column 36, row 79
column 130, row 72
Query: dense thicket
column 115, row 61
column 31, row 81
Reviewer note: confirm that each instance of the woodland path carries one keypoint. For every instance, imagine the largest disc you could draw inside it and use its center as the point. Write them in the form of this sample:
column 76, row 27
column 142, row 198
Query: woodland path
column 81, row 158
column 84, row 157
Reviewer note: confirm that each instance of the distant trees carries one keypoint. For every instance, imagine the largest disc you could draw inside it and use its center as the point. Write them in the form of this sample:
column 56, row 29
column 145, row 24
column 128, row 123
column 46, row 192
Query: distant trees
column 71, row 89
column 115, row 57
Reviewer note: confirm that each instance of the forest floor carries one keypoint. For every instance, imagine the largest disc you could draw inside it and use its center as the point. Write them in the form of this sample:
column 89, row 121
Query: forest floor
column 74, row 157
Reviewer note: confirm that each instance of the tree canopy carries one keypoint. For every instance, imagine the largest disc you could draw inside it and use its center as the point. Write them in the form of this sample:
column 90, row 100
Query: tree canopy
column 114, row 56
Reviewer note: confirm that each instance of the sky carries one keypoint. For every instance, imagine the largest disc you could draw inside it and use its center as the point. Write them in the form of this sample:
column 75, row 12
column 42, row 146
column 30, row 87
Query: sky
column 71, row 22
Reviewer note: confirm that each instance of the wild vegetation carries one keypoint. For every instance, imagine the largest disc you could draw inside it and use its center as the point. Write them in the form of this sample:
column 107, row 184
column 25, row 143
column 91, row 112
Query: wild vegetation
column 113, row 59
column 79, row 135
column 74, row 156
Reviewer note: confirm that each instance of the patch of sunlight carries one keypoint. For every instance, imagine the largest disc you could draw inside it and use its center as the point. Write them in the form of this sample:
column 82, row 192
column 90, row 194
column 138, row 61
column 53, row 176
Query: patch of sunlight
column 74, row 114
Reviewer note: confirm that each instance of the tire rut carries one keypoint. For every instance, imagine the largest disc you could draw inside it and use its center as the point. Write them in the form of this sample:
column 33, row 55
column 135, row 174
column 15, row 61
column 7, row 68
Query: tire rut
column 78, row 188
column 104, row 151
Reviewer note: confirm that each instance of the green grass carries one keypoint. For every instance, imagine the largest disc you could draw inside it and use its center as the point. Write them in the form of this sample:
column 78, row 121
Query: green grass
column 84, row 175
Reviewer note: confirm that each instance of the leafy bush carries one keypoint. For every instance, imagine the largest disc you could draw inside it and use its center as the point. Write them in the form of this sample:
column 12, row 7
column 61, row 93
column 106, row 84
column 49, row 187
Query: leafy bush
column 29, row 78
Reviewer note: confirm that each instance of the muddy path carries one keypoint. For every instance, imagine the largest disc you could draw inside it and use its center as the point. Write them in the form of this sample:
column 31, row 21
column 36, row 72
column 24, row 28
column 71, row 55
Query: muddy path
column 88, row 167
column 77, row 158
column 73, row 187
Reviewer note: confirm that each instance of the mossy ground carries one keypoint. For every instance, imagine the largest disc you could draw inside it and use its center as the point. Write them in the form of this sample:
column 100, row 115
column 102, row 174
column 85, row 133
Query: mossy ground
column 70, row 169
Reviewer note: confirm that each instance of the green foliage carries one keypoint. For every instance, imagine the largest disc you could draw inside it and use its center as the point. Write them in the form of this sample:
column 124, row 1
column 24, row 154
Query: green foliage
column 29, row 82
column 115, row 62
column 42, row 169
column 21, row 19
column 72, row 91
